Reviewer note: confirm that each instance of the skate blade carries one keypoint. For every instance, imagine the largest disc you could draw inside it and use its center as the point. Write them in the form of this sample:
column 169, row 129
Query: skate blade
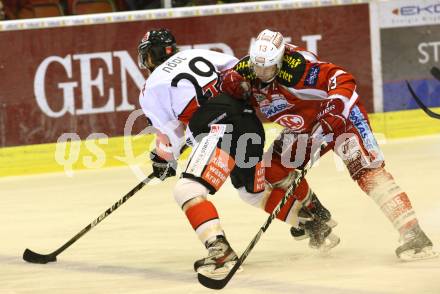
column 302, row 237
column 411, row 255
column 212, row 272
column 332, row 223
column 329, row 243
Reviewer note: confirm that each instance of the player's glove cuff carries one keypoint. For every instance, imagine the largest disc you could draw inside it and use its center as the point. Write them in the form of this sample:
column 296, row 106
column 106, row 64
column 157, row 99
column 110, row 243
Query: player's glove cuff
column 163, row 169
column 235, row 85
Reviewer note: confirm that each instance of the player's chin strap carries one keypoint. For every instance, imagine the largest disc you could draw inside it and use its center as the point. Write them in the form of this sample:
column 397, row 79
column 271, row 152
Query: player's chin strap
column 213, row 283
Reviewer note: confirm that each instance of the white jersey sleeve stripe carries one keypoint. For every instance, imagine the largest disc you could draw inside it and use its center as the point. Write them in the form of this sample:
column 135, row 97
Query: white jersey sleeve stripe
column 308, row 94
column 308, row 56
column 348, row 102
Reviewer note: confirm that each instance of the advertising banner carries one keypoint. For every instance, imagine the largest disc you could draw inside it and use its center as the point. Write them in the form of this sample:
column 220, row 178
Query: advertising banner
column 410, row 48
column 83, row 78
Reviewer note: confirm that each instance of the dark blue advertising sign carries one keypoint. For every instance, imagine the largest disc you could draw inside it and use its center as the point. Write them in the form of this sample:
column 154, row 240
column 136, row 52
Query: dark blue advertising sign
column 410, row 48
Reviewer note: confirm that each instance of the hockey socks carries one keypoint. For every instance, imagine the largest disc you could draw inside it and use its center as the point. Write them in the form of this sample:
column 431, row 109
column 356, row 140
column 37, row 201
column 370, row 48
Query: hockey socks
column 394, row 203
column 205, row 221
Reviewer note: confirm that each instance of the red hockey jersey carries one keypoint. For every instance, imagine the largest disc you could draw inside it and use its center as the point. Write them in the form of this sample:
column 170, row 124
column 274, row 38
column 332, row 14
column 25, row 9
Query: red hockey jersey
column 294, row 98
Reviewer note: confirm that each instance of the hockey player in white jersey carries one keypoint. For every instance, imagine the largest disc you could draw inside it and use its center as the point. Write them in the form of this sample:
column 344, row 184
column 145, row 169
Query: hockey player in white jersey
column 176, row 100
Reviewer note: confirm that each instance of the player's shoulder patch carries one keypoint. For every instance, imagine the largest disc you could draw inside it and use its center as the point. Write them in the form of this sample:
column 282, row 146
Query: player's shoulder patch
column 292, row 69
column 243, row 67
column 312, row 76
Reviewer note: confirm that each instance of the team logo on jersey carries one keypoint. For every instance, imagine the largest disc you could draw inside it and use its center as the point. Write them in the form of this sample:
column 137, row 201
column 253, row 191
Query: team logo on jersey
column 358, row 120
column 293, row 61
column 292, row 69
column 312, row 76
column 291, row 121
column 278, row 105
column 243, row 67
column 218, row 129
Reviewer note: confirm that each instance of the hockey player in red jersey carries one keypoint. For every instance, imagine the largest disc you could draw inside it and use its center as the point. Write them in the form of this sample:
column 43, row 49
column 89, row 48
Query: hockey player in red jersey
column 312, row 99
column 304, row 212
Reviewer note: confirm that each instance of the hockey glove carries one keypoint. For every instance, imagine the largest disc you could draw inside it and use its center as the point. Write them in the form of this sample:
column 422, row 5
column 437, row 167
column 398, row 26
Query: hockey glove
column 293, row 148
column 162, row 169
column 233, row 84
column 331, row 118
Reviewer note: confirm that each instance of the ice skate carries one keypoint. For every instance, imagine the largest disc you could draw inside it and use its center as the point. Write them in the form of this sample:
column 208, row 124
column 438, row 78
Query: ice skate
column 221, row 258
column 416, row 246
column 321, row 236
column 316, row 211
column 299, row 233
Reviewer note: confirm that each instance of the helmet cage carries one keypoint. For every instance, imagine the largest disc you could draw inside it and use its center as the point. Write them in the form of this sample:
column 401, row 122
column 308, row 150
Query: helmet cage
column 268, row 50
column 156, row 47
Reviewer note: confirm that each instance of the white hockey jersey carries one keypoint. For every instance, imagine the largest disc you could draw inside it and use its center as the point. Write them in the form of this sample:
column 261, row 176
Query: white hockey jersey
column 177, row 88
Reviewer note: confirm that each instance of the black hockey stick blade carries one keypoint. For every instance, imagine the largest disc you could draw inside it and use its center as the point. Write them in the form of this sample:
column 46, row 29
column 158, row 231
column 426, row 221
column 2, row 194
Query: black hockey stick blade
column 33, row 257
column 220, row 283
column 435, row 71
column 420, row 103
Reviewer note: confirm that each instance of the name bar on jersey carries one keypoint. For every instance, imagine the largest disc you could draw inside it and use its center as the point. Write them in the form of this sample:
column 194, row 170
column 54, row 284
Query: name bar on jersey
column 152, row 14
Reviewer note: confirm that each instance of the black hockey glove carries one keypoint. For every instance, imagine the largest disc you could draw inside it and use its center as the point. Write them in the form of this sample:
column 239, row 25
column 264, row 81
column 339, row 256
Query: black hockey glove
column 162, row 169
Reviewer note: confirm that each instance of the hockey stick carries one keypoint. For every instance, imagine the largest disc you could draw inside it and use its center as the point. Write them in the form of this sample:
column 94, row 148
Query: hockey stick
column 435, row 71
column 419, row 101
column 218, row 284
column 33, row 257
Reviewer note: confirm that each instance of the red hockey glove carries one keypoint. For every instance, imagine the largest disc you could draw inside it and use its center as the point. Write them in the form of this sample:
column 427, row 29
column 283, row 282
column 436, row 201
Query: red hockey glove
column 293, row 149
column 331, row 119
column 235, row 85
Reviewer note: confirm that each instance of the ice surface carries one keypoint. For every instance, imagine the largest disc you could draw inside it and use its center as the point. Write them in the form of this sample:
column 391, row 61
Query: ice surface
column 147, row 245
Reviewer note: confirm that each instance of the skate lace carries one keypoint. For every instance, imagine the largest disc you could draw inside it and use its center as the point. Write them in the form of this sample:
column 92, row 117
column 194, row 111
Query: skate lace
column 409, row 236
column 217, row 249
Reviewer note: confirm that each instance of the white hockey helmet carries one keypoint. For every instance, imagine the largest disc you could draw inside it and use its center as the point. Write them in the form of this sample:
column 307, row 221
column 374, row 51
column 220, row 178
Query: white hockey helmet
column 268, row 50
